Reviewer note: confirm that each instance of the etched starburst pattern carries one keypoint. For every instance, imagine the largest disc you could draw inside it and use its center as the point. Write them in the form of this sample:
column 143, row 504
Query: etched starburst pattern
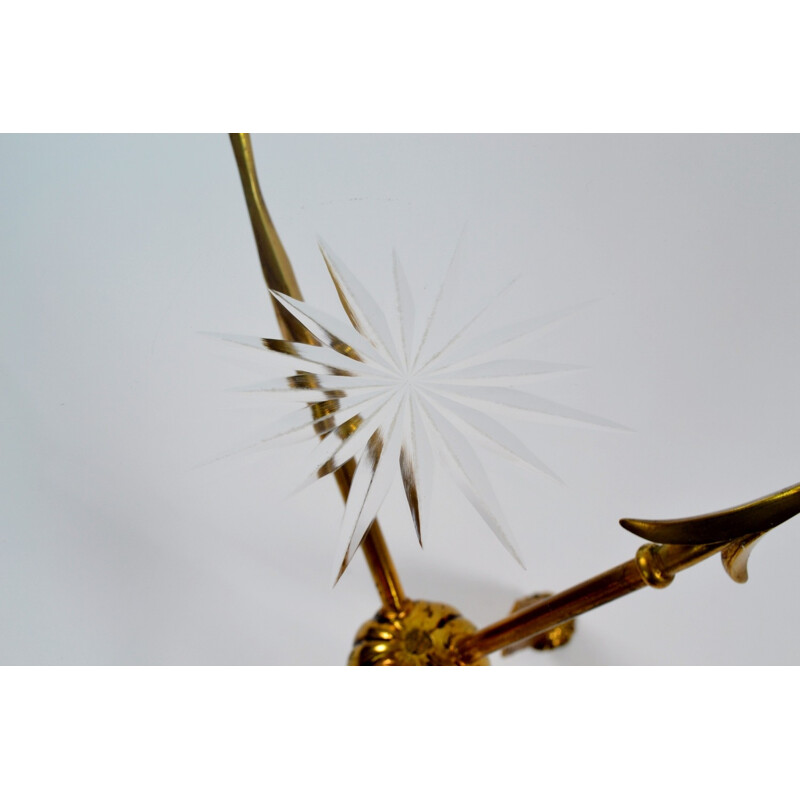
column 396, row 397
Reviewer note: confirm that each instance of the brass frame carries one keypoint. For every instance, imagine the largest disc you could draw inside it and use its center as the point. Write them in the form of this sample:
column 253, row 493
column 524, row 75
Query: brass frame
column 674, row 545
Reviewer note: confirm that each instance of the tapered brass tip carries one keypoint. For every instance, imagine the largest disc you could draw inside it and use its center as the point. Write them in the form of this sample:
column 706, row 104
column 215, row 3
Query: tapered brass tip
column 757, row 516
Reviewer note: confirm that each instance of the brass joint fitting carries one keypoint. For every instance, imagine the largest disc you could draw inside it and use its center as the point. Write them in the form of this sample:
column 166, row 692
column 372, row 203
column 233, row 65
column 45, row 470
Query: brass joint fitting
column 651, row 567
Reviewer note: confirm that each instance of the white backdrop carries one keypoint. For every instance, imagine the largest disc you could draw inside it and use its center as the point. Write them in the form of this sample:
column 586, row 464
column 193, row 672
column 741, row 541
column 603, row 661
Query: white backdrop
column 125, row 542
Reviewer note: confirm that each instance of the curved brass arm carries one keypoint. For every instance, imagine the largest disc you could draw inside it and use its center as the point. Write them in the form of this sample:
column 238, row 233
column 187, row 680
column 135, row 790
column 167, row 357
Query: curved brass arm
column 685, row 542
column 757, row 516
column 279, row 276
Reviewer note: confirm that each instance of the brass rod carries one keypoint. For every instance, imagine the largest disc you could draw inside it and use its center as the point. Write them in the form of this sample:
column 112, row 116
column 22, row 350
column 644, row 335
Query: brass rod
column 374, row 548
column 280, row 277
column 275, row 264
column 662, row 561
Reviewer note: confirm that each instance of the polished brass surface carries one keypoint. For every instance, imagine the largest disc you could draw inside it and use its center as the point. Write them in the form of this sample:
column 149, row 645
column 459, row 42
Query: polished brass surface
column 566, row 605
column 280, row 277
column 654, row 565
column 552, row 611
column 651, row 568
column 275, row 264
column 736, row 555
column 420, row 634
column 757, row 516
column 549, row 639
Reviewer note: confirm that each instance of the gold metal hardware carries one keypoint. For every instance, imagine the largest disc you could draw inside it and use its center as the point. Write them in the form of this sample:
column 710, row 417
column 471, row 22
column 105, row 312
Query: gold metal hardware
column 420, row 634
column 689, row 541
column 651, row 568
column 757, row 516
column 549, row 639
column 736, row 555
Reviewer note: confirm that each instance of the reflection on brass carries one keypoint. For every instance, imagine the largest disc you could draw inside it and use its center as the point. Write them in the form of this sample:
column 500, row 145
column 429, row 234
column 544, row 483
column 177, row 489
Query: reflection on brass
column 757, row 516
column 293, row 349
column 410, row 489
column 275, row 265
column 320, row 411
column 566, row 605
column 349, row 427
column 736, row 555
column 547, row 640
column 651, row 567
column 323, row 413
column 422, row 634
column 307, row 380
column 340, row 291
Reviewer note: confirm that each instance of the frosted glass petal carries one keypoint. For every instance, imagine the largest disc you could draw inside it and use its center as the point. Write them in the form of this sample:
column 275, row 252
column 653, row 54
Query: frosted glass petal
column 422, row 353
column 348, row 439
column 303, row 384
column 312, row 354
column 317, row 418
column 503, row 369
column 484, row 343
column 513, row 398
column 331, row 332
column 373, row 476
column 416, row 468
column 405, row 310
column 460, row 334
column 471, row 477
column 363, row 311
column 488, row 427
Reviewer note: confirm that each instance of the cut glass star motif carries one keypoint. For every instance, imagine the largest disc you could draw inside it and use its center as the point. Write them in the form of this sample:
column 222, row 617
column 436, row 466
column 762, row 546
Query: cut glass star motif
column 394, row 400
